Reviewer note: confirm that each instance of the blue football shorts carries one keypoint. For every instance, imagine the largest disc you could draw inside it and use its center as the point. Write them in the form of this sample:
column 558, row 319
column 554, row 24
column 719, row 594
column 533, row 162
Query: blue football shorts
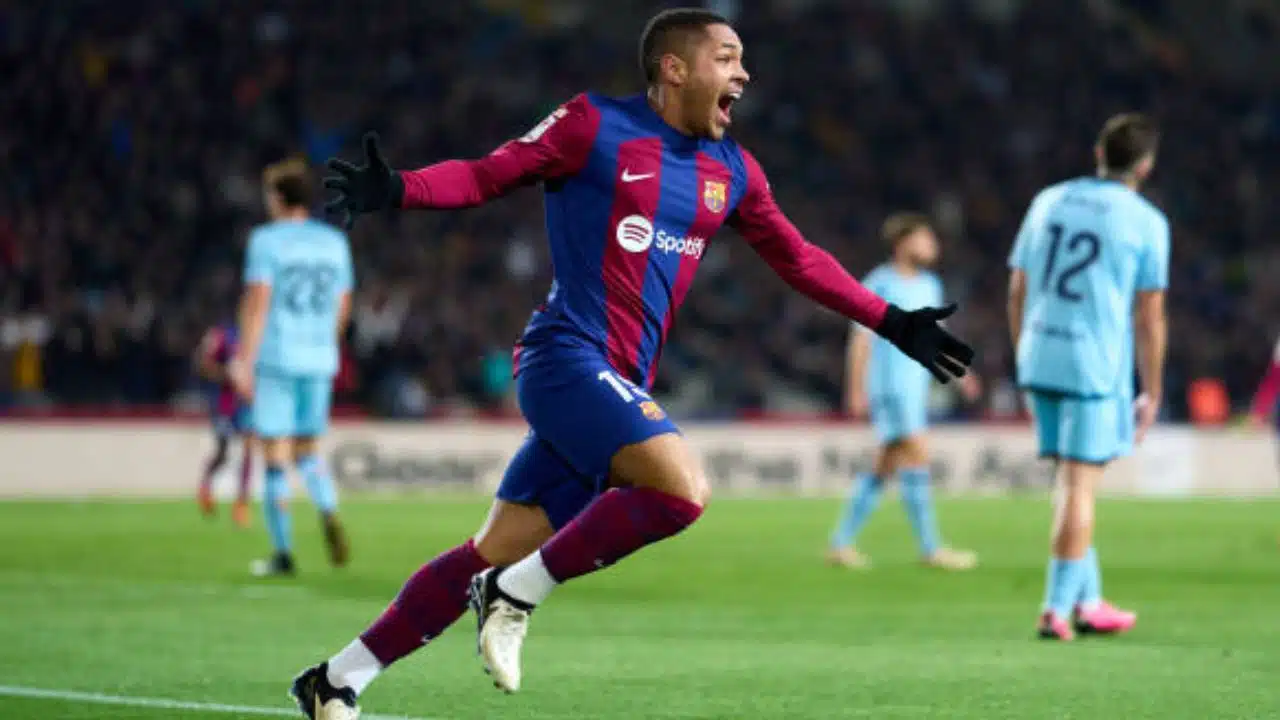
column 580, row 413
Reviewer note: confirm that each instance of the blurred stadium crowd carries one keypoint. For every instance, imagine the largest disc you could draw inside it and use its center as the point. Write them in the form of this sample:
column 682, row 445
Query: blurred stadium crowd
column 134, row 134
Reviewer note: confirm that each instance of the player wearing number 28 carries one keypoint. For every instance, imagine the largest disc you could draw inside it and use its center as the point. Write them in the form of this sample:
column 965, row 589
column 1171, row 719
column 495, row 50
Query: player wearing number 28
column 635, row 190
column 296, row 303
column 1088, row 252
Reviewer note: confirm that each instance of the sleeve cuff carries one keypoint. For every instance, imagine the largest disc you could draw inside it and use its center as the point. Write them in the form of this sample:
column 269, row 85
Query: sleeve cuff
column 892, row 324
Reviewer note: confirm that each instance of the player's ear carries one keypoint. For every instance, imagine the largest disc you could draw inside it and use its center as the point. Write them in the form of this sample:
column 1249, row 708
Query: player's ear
column 1146, row 165
column 674, row 69
column 1097, row 154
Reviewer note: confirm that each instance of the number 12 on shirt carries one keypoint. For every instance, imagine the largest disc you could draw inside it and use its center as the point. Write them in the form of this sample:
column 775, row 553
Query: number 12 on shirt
column 1086, row 241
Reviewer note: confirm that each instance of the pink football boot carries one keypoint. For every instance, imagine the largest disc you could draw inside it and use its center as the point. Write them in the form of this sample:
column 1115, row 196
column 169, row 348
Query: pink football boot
column 1053, row 627
column 1104, row 619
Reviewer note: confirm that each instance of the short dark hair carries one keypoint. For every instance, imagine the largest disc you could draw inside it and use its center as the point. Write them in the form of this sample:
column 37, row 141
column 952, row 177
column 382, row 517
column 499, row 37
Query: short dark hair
column 1126, row 139
column 291, row 181
column 670, row 31
column 898, row 226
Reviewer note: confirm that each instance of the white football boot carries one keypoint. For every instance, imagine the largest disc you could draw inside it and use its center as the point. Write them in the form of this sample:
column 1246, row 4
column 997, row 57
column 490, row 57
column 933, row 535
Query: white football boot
column 501, row 624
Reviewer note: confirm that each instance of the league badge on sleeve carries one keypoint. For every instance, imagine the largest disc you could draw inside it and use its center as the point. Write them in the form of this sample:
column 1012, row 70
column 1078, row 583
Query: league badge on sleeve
column 714, row 195
column 541, row 128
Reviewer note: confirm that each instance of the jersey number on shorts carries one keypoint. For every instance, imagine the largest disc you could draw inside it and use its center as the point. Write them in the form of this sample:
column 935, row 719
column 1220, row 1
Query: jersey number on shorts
column 626, row 390
column 308, row 288
column 1082, row 242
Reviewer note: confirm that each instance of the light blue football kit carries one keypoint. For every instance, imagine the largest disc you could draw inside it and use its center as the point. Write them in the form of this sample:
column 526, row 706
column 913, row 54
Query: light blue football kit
column 307, row 264
column 897, row 386
column 898, row 395
column 1087, row 246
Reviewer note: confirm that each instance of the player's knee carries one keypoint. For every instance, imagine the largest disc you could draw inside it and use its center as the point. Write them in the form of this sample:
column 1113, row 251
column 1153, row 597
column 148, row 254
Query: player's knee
column 697, row 489
column 687, row 483
column 915, row 455
column 663, row 463
column 1079, row 480
column 702, row 490
column 908, row 451
column 303, row 448
column 277, row 452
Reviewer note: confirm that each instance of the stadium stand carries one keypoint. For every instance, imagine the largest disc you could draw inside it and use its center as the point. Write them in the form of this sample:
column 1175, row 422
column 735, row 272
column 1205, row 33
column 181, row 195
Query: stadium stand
column 133, row 145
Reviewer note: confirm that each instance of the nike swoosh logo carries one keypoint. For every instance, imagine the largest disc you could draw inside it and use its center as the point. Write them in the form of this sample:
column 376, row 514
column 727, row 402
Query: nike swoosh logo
column 627, row 177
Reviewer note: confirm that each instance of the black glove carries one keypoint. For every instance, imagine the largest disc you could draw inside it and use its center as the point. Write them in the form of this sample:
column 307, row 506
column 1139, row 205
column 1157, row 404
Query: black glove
column 919, row 336
column 371, row 187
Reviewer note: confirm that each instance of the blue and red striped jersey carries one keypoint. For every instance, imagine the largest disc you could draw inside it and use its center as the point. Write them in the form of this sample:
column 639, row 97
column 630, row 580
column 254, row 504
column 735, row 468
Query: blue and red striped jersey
column 630, row 226
column 219, row 345
column 631, row 207
column 228, row 339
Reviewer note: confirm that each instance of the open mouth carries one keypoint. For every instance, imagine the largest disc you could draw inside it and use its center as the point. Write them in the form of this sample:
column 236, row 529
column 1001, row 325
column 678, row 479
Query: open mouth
column 725, row 106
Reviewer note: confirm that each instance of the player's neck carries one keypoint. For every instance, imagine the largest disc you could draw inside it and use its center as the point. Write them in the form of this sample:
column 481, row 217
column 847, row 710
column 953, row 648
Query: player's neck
column 295, row 215
column 665, row 106
column 1129, row 180
column 905, row 268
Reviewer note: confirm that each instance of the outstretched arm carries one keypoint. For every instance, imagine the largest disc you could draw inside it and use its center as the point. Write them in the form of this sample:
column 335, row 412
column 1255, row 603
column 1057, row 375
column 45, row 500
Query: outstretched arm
column 555, row 148
column 817, row 275
column 804, row 266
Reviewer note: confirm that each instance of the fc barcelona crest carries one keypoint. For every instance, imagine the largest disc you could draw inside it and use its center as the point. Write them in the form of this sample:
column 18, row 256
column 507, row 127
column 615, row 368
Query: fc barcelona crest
column 714, row 196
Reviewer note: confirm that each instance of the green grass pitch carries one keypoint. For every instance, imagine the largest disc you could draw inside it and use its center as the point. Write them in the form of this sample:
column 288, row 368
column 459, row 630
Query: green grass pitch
column 135, row 602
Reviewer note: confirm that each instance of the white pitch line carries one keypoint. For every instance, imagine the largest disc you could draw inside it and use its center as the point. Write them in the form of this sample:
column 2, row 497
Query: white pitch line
column 162, row 703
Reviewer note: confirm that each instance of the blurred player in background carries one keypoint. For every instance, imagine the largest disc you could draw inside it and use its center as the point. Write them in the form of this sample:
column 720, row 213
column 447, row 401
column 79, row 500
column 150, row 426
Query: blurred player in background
column 635, row 188
column 296, row 303
column 230, row 417
column 1088, row 250
column 1262, row 412
column 894, row 391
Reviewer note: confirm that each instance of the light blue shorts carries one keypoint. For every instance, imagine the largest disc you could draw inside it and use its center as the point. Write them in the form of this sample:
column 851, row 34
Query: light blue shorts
column 291, row 405
column 898, row 417
column 1089, row 430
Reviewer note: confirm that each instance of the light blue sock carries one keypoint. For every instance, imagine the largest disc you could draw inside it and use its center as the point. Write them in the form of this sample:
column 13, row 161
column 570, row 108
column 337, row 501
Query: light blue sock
column 1063, row 583
column 862, row 502
column 319, row 483
column 918, row 501
column 1091, row 591
column 275, row 499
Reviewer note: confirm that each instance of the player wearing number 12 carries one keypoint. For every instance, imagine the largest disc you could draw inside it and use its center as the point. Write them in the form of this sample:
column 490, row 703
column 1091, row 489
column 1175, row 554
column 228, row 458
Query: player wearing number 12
column 1090, row 249
column 296, row 303
column 635, row 190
